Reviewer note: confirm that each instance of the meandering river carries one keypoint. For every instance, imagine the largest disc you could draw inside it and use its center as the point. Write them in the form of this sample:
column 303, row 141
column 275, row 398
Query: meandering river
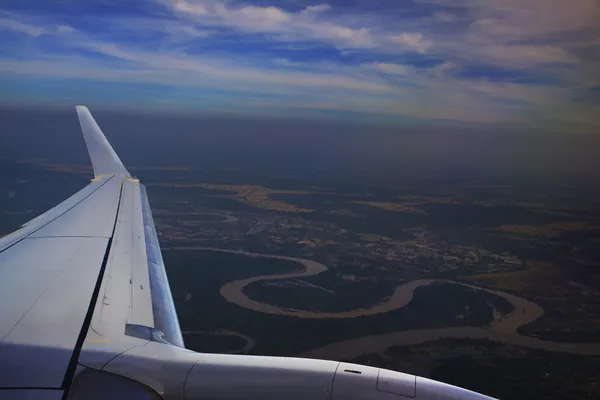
column 502, row 329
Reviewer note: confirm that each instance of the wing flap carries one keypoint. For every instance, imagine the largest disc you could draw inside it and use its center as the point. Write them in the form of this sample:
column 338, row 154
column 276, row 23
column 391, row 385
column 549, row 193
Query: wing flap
column 163, row 307
column 125, row 296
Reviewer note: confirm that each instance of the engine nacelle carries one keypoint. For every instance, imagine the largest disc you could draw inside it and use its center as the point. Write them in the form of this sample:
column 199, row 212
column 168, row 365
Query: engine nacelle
column 175, row 373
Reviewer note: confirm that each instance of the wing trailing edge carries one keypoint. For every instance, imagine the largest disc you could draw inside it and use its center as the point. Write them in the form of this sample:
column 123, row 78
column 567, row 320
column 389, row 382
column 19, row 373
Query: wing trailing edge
column 104, row 159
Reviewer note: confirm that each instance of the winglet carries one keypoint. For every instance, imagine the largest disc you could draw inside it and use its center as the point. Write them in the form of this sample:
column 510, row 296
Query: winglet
column 104, row 159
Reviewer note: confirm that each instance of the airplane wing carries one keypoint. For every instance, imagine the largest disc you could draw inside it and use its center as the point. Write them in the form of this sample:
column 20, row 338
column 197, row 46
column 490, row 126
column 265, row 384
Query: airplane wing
column 86, row 312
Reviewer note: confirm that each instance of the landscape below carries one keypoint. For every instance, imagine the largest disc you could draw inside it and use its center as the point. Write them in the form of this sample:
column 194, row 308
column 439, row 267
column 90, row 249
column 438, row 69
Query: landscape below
column 491, row 286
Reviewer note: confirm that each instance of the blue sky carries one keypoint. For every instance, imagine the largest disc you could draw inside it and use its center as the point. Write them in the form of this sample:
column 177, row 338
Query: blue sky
column 531, row 64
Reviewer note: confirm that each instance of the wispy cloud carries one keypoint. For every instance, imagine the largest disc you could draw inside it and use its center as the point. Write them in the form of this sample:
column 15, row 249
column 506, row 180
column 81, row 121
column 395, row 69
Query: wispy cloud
column 510, row 20
column 391, row 69
column 413, row 40
column 526, row 62
column 309, row 23
column 10, row 23
column 302, row 25
column 526, row 32
column 212, row 68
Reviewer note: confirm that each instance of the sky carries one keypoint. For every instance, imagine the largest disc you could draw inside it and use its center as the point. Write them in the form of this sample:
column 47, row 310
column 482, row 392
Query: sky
column 526, row 64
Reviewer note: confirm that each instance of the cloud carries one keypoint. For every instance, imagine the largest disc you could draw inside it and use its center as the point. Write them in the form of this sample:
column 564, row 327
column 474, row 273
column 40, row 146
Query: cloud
column 391, row 69
column 445, row 17
column 520, row 33
column 212, row 68
column 307, row 95
column 60, row 29
column 413, row 40
column 268, row 18
column 527, row 54
column 288, row 63
column 13, row 24
column 534, row 19
column 175, row 30
column 470, row 50
column 318, row 8
column 16, row 26
column 461, row 60
column 527, row 19
column 192, row 8
column 428, row 83
column 306, row 24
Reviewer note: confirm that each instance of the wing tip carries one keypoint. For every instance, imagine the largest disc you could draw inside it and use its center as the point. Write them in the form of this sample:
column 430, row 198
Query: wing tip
column 81, row 109
column 105, row 160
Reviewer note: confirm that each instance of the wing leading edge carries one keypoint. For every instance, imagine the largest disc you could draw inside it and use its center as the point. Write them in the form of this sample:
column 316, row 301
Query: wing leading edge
column 86, row 312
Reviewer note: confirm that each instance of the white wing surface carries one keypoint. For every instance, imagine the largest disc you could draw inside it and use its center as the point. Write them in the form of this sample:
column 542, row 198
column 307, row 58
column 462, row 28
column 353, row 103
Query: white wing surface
column 48, row 274
column 90, row 264
column 104, row 159
column 86, row 313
